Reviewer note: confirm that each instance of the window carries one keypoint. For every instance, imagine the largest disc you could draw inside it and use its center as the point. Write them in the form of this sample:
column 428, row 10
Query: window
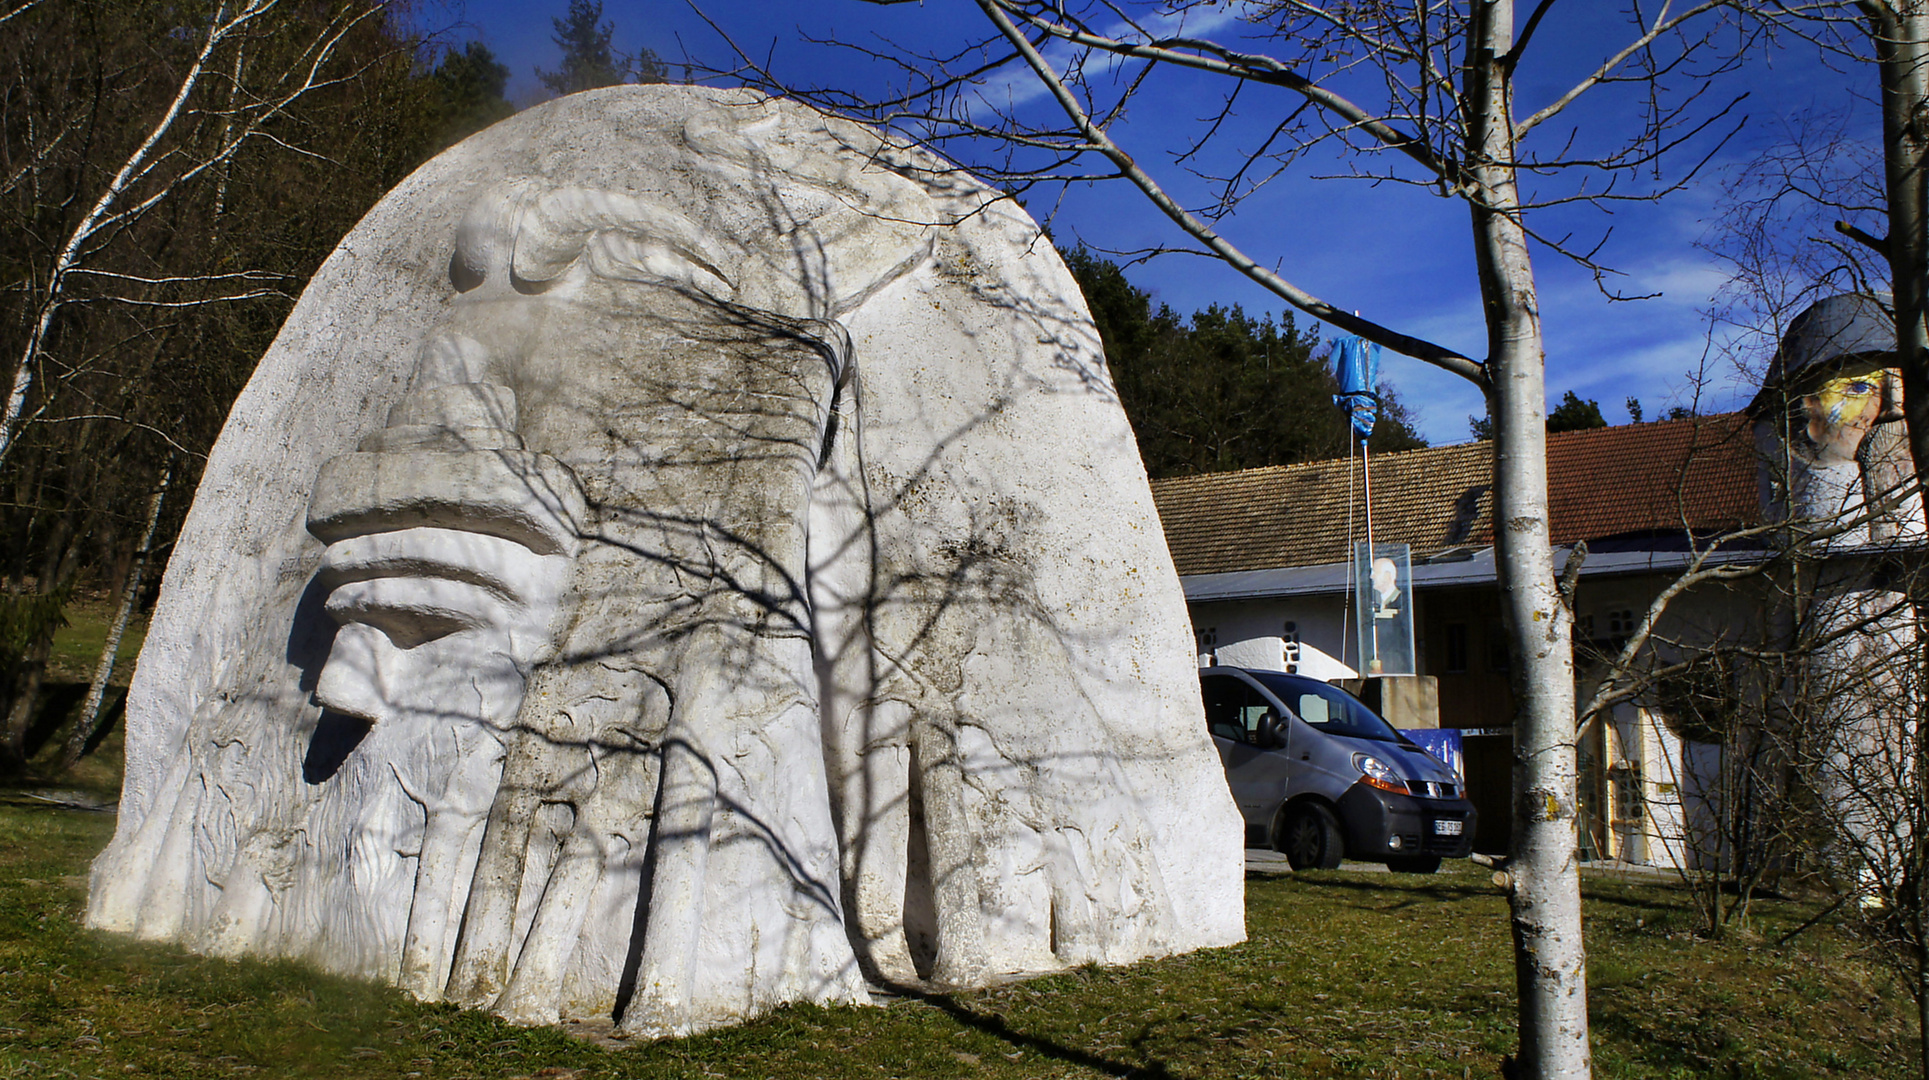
column 1456, row 648
column 1620, row 623
column 1209, row 647
column 1225, row 699
column 1327, row 707
column 1253, row 712
column 1496, row 646
column 1314, row 710
column 1289, row 647
column 1233, row 709
column 1629, row 800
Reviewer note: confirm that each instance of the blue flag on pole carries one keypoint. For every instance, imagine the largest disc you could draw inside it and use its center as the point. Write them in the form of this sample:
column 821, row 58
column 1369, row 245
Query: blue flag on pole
column 1356, row 364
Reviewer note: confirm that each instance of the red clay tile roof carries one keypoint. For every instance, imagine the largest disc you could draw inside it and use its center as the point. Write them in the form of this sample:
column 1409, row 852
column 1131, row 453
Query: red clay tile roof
column 1640, row 478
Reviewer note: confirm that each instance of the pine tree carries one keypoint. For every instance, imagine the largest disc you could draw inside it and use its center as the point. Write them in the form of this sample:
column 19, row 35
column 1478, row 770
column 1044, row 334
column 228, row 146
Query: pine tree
column 470, row 84
column 589, row 59
column 1575, row 413
column 1224, row 389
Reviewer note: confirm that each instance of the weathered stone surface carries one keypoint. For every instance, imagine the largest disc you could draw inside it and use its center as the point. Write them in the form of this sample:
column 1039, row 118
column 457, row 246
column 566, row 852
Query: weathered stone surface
column 682, row 555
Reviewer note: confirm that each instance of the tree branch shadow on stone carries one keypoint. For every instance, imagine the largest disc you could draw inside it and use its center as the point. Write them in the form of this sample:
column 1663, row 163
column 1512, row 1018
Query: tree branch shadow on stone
column 704, row 435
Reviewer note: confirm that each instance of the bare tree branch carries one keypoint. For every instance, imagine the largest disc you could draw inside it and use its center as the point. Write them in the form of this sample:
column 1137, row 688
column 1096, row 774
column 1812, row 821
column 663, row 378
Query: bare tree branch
column 1437, row 355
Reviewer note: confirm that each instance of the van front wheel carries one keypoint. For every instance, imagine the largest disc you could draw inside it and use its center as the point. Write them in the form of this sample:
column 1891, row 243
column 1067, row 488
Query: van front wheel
column 1309, row 837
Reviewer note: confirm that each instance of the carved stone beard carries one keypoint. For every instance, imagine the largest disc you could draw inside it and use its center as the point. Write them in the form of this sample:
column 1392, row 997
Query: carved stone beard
column 695, row 429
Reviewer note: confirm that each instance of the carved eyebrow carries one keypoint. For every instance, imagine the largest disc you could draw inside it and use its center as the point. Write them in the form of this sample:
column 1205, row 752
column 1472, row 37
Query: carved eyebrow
column 334, row 575
column 503, row 569
column 516, row 495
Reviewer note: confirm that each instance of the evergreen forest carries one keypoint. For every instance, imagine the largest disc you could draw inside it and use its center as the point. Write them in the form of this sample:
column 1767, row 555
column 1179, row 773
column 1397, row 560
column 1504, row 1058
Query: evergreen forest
column 1223, row 389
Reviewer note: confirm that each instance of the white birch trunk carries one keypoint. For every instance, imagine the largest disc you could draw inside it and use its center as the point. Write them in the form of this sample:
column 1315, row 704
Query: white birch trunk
column 130, row 595
column 1550, row 963
column 106, row 212
column 1899, row 31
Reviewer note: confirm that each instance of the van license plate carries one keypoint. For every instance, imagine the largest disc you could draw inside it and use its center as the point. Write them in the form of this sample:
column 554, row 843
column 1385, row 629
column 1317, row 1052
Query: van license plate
column 1444, row 827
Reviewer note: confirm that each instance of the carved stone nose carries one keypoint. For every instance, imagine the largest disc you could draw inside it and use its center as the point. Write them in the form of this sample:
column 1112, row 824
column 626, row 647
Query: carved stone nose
column 351, row 682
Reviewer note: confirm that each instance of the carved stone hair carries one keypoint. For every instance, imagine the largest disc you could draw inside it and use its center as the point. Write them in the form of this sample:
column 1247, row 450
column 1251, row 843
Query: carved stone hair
column 786, row 228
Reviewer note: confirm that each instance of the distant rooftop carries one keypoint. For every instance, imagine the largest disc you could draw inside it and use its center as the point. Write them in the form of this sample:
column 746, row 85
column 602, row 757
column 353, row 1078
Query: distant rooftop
column 1644, row 484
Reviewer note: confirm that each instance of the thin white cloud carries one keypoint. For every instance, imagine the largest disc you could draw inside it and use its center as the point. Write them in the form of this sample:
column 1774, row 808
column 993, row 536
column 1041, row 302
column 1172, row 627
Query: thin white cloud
column 1015, row 85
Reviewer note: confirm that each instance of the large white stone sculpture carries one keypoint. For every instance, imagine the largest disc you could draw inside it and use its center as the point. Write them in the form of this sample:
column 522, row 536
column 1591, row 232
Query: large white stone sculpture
column 682, row 555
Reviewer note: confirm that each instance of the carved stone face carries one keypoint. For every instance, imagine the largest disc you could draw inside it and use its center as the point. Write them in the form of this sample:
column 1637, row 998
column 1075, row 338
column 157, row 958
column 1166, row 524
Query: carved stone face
column 752, row 587
column 436, row 622
column 591, row 504
column 449, row 549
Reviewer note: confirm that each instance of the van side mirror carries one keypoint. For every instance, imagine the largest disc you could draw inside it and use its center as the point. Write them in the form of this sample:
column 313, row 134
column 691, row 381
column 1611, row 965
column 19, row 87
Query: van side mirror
column 1269, row 734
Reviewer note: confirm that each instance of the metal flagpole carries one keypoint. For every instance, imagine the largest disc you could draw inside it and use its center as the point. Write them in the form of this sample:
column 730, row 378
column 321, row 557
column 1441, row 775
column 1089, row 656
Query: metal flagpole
column 1356, row 368
column 1346, row 550
column 1366, row 471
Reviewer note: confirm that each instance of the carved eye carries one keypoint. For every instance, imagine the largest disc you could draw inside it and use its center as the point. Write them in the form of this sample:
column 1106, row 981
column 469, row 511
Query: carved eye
column 416, row 628
column 405, row 629
column 1859, row 387
column 413, row 611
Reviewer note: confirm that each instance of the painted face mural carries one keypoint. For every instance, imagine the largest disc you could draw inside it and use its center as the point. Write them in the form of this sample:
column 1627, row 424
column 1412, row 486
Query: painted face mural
column 1840, row 442
column 1842, row 412
column 1386, row 589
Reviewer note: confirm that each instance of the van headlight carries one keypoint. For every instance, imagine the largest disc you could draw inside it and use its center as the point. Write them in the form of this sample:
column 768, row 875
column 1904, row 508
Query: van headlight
column 1375, row 773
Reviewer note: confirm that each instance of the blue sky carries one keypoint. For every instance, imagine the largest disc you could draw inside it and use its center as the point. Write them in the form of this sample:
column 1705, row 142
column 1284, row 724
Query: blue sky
column 1397, row 254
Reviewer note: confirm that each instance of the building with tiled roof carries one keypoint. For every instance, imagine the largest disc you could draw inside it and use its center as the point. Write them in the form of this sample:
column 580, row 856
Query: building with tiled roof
column 1263, row 555
column 1646, row 481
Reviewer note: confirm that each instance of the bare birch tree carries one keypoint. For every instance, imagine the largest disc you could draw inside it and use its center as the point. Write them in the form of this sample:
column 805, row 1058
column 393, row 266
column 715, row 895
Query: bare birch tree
column 1758, row 674
column 88, row 722
column 1886, row 842
column 214, row 111
column 169, row 174
column 1417, row 93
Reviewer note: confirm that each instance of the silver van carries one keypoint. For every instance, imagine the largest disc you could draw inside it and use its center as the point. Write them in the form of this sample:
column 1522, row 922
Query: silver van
column 1318, row 775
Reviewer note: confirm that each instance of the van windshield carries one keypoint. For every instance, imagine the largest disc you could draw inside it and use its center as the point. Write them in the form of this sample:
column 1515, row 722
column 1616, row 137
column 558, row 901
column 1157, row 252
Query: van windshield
column 1327, row 707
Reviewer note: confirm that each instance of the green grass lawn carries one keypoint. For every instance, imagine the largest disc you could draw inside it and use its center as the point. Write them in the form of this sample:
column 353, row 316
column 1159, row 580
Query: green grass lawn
column 77, row 645
column 1348, row 973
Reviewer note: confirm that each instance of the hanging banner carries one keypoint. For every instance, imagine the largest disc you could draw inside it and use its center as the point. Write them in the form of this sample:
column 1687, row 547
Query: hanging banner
column 1383, row 599
column 1356, row 365
column 1443, row 743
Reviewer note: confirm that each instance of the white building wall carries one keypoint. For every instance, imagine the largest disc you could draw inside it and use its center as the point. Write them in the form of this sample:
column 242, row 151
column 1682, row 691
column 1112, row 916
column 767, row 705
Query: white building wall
column 1677, row 782
column 1307, row 635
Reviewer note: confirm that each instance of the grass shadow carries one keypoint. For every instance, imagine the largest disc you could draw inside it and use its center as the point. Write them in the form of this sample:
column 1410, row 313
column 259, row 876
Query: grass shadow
column 997, row 1027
